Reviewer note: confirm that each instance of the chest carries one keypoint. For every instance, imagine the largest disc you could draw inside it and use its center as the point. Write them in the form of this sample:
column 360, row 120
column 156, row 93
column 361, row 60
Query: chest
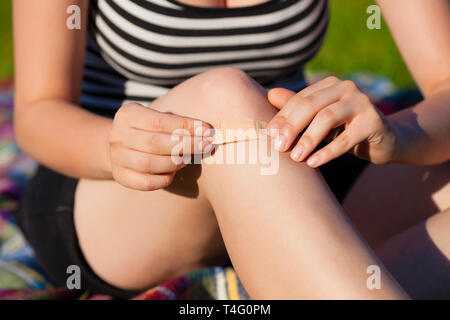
column 222, row 3
column 164, row 42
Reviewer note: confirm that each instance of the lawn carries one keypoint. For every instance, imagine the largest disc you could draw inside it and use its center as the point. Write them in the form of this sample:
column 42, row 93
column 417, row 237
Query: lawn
column 6, row 48
column 349, row 45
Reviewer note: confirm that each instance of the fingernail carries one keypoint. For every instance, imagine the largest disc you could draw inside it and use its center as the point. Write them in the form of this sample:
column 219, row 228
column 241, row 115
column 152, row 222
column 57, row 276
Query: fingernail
column 205, row 145
column 297, row 152
column 201, row 131
column 313, row 161
column 273, row 129
column 209, row 132
column 187, row 159
column 280, row 142
column 198, row 131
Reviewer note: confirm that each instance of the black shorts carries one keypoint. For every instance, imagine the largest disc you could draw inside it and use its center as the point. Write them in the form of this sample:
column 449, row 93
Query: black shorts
column 46, row 218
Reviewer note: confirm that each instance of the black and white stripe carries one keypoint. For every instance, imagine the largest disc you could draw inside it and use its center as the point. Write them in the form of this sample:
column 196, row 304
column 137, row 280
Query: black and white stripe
column 139, row 49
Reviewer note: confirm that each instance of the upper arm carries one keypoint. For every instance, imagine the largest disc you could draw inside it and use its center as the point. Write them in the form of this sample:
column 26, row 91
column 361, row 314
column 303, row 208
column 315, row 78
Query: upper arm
column 421, row 29
column 48, row 56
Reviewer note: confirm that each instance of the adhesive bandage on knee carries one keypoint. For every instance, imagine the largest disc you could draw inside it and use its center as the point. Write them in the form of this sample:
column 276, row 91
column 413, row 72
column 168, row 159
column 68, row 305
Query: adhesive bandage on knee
column 227, row 131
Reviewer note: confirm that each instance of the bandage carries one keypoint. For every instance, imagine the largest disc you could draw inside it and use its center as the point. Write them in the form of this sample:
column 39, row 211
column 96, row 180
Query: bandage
column 226, row 131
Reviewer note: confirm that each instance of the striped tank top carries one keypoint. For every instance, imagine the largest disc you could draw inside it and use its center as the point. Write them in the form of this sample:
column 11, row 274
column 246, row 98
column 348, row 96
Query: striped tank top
column 138, row 49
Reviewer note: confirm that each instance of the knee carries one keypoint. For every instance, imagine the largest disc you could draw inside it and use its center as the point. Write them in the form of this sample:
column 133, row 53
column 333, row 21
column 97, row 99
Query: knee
column 229, row 93
column 226, row 82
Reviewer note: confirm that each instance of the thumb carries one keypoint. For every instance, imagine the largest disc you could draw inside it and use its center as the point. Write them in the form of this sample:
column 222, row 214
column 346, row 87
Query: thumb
column 278, row 97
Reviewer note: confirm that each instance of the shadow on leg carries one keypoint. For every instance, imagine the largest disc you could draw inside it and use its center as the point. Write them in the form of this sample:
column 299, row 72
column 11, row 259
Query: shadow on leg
column 419, row 258
column 385, row 200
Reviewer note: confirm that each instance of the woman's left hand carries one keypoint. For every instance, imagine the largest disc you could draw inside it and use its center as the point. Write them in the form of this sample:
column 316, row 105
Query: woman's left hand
column 337, row 112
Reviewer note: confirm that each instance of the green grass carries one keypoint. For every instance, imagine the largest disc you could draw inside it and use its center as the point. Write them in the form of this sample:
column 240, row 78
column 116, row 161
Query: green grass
column 349, row 45
column 6, row 44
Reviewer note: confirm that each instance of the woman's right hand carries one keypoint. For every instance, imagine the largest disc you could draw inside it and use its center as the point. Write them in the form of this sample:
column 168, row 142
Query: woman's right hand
column 142, row 144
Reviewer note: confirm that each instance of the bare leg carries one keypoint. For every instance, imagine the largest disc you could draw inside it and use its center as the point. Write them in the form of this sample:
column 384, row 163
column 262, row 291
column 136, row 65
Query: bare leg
column 396, row 209
column 419, row 258
column 386, row 200
column 285, row 233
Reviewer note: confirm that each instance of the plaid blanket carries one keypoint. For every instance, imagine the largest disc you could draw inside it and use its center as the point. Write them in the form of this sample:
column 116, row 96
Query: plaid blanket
column 22, row 278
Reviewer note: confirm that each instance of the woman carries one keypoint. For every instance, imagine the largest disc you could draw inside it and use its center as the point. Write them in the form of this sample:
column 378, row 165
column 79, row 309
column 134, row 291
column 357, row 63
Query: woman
column 111, row 200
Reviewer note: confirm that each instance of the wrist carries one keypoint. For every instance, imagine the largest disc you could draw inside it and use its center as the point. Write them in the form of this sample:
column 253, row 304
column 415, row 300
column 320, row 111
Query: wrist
column 401, row 142
column 410, row 138
column 104, row 164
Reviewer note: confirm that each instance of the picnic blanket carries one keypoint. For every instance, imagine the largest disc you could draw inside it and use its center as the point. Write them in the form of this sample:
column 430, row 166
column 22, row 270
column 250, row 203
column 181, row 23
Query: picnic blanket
column 22, row 278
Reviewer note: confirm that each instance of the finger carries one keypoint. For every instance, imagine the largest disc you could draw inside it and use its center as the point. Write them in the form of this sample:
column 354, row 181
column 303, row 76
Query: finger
column 141, row 181
column 147, row 162
column 278, row 97
column 325, row 120
column 298, row 113
column 165, row 144
column 147, row 119
column 342, row 144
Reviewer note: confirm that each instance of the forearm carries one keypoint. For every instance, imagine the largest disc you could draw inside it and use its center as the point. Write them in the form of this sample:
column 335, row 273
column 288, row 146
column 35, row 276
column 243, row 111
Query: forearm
column 423, row 131
column 65, row 138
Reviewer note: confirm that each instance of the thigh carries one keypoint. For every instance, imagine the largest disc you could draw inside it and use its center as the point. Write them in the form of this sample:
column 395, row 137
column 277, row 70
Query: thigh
column 386, row 200
column 419, row 258
column 133, row 239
